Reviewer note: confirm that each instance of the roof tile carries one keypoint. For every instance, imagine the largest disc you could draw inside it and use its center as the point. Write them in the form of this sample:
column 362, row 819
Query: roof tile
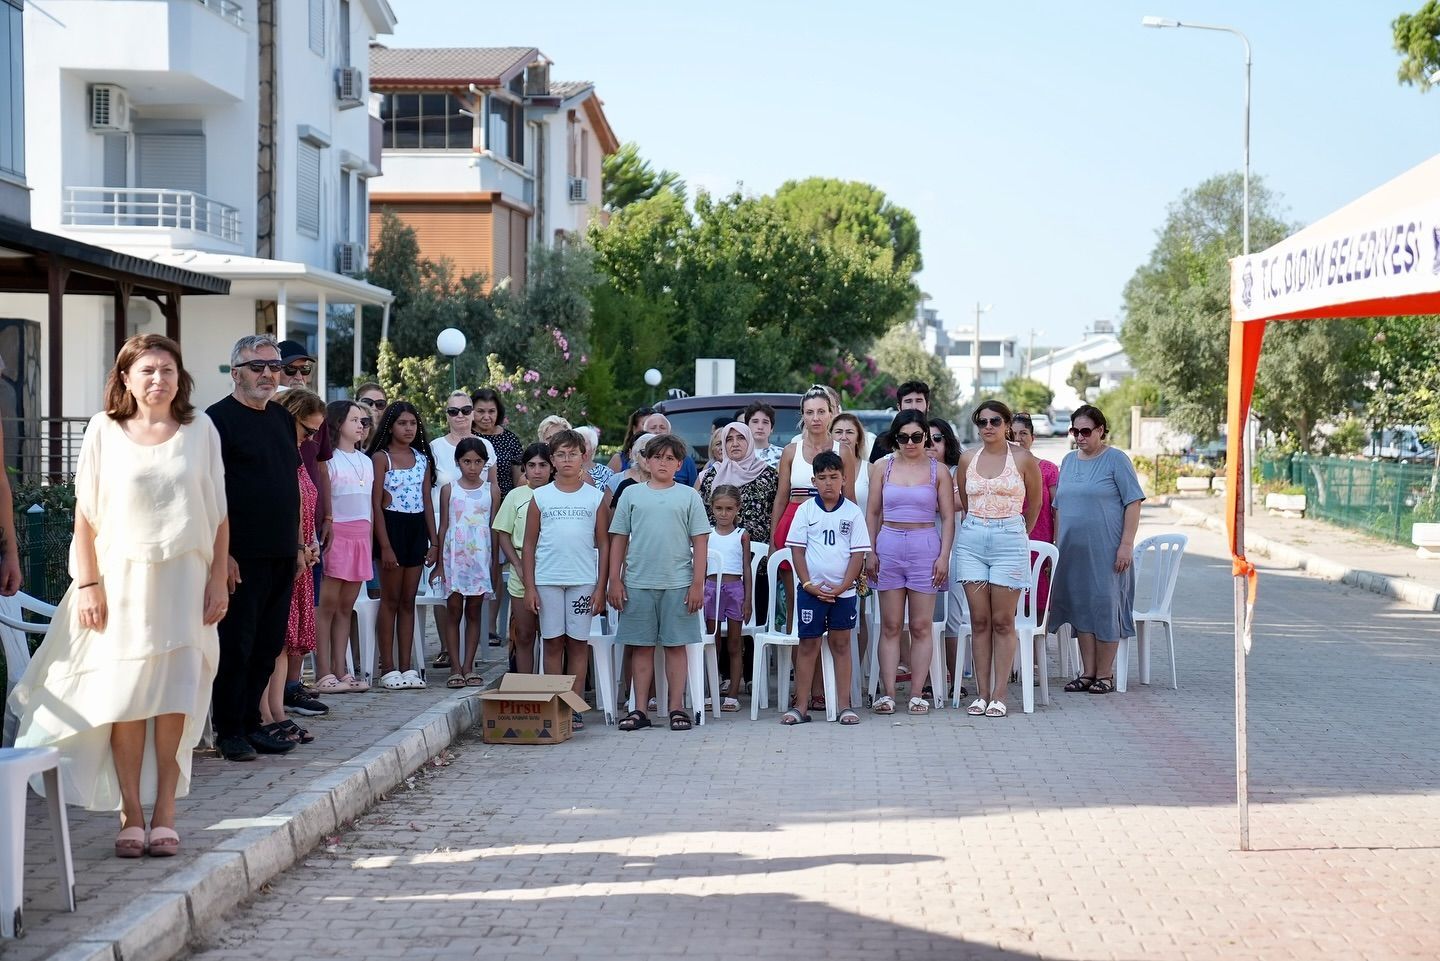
column 460, row 64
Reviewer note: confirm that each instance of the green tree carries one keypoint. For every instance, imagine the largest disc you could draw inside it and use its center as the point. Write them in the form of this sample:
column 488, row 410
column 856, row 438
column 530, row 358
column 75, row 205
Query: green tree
column 1027, row 394
column 1417, row 40
column 855, row 213
column 629, row 177
column 737, row 278
column 1081, row 380
column 902, row 356
column 1403, row 356
column 1176, row 329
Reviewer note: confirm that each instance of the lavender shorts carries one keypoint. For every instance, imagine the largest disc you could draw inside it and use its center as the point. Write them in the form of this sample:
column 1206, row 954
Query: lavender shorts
column 907, row 559
column 732, row 600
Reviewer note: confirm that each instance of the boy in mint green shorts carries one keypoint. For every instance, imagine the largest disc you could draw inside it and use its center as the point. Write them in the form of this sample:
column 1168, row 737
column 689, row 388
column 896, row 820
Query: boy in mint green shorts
column 658, row 529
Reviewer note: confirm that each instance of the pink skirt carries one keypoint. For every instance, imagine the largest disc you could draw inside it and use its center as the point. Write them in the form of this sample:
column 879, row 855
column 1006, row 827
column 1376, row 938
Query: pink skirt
column 349, row 557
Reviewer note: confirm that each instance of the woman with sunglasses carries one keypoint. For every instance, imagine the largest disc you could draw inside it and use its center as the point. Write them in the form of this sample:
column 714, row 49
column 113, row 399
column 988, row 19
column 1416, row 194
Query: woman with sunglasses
column 459, row 421
column 1000, row 498
column 370, row 396
column 1097, row 509
column 911, row 557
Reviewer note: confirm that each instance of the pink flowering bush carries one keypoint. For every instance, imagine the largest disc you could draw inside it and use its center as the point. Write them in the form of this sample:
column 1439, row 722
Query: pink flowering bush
column 859, row 381
column 546, row 384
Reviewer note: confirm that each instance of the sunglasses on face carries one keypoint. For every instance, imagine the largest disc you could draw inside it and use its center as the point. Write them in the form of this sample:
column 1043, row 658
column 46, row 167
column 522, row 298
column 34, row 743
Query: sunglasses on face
column 989, row 421
column 366, row 422
column 300, row 370
column 916, row 438
column 1082, row 431
column 459, row 411
column 309, row 431
column 372, row 403
column 260, row 366
column 937, row 439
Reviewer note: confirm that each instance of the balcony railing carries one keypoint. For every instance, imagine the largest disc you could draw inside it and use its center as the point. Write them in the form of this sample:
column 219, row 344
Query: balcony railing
column 228, row 9
column 150, row 207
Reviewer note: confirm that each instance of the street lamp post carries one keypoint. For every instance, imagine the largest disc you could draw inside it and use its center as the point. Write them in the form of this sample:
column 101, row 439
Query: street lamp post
column 451, row 343
column 1242, row 763
column 653, row 377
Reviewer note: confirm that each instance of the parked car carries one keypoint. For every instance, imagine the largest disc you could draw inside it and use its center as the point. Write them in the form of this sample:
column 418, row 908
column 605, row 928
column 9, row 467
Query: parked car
column 693, row 418
column 1059, row 423
column 1042, row 424
column 1399, row 443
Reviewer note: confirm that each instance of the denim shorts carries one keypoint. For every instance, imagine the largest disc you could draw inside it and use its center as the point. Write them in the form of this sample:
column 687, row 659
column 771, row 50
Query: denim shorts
column 993, row 550
column 907, row 559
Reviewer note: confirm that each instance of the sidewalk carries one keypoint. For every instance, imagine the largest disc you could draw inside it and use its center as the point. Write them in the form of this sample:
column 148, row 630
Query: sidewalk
column 1325, row 550
column 242, row 824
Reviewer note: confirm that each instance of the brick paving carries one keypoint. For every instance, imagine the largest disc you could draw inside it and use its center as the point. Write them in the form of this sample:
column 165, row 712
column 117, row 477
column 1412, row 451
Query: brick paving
column 225, row 797
column 1097, row 828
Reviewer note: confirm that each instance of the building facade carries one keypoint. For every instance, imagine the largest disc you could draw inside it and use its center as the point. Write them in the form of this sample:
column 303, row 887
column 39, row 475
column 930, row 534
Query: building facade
column 484, row 156
column 998, row 358
column 228, row 137
column 1099, row 350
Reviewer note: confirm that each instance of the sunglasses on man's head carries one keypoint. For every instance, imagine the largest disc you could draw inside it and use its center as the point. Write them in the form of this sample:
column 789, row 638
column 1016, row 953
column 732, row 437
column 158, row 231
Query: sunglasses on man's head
column 372, row 403
column 989, row 421
column 459, row 411
column 917, row 437
column 301, row 370
column 1082, row 431
column 260, row 366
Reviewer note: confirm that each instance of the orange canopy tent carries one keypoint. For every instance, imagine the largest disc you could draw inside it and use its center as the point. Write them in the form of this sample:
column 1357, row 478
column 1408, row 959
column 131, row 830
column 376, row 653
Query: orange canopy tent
column 1377, row 256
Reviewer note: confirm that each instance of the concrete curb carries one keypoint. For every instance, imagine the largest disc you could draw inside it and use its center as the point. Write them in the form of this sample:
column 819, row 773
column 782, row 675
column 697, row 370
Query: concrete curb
column 161, row 924
column 1408, row 592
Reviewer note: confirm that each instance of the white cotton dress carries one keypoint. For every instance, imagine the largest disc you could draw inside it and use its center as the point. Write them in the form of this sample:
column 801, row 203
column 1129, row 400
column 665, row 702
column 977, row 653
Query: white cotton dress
column 155, row 511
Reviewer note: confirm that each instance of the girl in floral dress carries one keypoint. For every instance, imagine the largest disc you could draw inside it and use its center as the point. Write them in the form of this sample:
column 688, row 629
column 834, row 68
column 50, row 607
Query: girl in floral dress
column 464, row 567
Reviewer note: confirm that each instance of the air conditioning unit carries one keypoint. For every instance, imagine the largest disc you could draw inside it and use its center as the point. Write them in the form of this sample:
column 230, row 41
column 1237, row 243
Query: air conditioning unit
column 579, row 190
column 349, row 259
column 109, row 108
column 349, row 86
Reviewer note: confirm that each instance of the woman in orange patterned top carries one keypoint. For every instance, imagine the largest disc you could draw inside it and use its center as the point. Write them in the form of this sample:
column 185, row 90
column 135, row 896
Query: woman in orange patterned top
column 1000, row 499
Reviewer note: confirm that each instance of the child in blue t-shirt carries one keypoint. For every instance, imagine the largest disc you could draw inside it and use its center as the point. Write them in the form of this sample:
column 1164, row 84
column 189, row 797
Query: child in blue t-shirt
column 828, row 541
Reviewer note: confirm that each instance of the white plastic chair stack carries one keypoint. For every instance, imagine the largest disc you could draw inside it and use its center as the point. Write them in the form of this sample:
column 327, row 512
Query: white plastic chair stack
column 771, row 634
column 17, row 766
column 710, row 651
column 1030, row 629
column 14, row 631
column 1157, row 559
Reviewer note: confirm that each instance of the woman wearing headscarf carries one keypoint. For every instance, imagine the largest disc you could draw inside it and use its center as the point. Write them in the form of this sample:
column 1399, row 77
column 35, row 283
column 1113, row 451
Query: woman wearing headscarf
column 758, row 482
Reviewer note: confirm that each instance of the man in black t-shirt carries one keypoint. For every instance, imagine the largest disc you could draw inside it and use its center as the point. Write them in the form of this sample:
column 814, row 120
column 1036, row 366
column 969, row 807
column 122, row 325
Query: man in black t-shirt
column 911, row 395
column 258, row 446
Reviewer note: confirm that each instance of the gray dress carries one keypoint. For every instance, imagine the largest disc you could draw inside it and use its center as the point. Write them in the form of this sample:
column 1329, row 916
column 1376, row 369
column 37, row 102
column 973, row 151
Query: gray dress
column 1091, row 497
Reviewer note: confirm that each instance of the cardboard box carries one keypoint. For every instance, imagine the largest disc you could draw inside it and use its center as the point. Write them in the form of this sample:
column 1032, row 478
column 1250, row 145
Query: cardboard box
column 530, row 709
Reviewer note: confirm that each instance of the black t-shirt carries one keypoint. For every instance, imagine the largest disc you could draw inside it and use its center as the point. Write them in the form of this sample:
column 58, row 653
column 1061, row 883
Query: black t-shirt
column 261, row 487
column 880, row 448
column 620, row 489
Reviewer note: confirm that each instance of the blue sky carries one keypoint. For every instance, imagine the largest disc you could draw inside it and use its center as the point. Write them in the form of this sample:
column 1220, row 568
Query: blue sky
column 1037, row 143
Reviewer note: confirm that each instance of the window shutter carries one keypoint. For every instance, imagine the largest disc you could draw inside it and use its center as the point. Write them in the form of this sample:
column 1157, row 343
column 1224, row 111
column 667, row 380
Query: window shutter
column 344, row 205
column 170, row 161
column 317, row 26
column 307, row 189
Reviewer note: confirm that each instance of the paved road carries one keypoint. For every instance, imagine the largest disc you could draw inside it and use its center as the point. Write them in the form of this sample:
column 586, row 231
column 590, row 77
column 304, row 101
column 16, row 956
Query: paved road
column 1100, row 827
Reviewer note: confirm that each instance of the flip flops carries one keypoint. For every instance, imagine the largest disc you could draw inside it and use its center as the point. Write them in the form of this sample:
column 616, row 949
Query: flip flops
column 848, row 717
column 455, row 680
column 885, row 704
column 474, row 679
column 996, row 709
column 793, row 717
column 977, row 707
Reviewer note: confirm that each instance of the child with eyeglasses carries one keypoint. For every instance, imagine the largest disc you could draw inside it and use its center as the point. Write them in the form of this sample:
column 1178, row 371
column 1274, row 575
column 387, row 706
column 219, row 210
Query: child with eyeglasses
column 348, row 561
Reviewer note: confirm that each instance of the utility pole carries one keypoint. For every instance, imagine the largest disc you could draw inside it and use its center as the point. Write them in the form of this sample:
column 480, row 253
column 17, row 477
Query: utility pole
column 1030, row 352
column 975, row 348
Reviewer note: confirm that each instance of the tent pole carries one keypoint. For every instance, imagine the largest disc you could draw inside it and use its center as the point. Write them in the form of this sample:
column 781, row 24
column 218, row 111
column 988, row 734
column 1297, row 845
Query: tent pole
column 1242, row 764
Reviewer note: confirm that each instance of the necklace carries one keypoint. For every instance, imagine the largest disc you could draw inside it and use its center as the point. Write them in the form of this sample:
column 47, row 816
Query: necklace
column 348, row 458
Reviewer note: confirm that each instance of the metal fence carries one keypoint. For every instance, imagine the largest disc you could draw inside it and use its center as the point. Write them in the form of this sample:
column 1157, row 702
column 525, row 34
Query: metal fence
column 37, row 448
column 43, row 538
column 1380, row 498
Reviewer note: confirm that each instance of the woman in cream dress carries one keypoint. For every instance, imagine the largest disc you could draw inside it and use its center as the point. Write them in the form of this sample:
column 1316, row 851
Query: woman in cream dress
column 122, row 683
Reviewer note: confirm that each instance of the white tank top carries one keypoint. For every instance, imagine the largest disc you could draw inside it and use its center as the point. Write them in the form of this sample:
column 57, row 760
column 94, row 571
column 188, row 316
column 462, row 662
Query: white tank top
column 731, row 551
column 352, row 476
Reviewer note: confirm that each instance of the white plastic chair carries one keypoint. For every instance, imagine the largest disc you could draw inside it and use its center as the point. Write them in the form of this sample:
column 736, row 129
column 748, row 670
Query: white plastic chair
column 367, row 614
column 1158, row 559
column 14, row 631
column 606, row 654
column 1030, row 629
column 17, row 767
column 937, row 651
column 774, row 635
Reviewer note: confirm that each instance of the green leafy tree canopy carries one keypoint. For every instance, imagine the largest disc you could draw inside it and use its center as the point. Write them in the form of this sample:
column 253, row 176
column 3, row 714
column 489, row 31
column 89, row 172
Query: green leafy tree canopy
column 1417, row 40
column 1027, row 394
column 629, row 177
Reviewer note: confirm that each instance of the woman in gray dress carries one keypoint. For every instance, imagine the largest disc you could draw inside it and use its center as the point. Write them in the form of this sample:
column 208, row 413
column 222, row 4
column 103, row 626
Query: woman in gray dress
column 1098, row 510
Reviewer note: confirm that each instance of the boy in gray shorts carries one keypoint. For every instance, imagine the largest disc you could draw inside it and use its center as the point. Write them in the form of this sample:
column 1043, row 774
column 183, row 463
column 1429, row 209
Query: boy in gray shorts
column 658, row 528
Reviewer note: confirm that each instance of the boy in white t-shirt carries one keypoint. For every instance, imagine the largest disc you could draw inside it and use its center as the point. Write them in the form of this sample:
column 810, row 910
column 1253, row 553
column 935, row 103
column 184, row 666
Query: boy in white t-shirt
column 828, row 542
column 561, row 571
